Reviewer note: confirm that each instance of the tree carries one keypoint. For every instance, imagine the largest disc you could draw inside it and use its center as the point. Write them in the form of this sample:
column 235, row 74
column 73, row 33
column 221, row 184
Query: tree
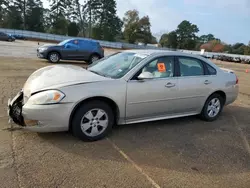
column 206, row 38
column 218, row 48
column 48, row 23
column 136, row 29
column 58, row 15
column 107, row 25
column 12, row 17
column 228, row 48
column 144, row 32
column 34, row 15
column 238, row 48
column 73, row 29
column 3, row 6
column 247, row 50
column 76, row 14
column 213, row 46
column 169, row 40
column 186, row 35
column 131, row 20
column 21, row 6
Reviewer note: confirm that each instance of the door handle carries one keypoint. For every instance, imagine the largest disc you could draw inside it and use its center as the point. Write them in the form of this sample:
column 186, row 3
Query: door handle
column 169, row 85
column 207, row 82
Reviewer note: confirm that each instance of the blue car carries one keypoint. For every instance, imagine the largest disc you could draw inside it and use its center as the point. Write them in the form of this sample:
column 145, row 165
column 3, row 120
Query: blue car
column 72, row 49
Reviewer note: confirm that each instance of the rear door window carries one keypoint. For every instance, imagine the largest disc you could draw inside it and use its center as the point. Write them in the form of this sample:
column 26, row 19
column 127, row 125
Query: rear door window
column 190, row 66
column 85, row 44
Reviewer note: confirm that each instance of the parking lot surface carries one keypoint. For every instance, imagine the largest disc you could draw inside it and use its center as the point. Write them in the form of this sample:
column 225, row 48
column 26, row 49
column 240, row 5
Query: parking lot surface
column 183, row 152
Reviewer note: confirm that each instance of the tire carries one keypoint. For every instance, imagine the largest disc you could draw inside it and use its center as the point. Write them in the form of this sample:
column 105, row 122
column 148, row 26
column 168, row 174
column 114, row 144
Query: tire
column 54, row 57
column 87, row 126
column 212, row 108
column 93, row 58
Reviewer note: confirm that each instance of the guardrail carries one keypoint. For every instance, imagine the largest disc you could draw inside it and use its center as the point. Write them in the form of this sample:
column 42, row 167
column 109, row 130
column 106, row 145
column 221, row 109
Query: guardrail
column 118, row 45
column 47, row 36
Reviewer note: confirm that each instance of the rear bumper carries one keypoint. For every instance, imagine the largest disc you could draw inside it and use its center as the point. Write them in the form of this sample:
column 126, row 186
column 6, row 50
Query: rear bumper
column 44, row 118
column 232, row 94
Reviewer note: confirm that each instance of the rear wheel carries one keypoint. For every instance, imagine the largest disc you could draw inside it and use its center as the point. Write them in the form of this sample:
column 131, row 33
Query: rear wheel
column 92, row 121
column 93, row 58
column 212, row 108
column 54, row 57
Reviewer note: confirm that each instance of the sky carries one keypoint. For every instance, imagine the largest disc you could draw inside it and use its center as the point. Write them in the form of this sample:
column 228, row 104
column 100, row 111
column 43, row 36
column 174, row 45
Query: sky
column 228, row 20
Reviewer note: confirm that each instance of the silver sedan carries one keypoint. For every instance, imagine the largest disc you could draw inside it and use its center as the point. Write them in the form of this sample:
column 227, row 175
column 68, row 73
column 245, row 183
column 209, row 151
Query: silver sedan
column 123, row 88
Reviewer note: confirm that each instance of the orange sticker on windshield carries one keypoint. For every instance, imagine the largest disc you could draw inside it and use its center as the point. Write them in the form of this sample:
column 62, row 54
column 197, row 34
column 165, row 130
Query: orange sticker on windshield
column 161, row 67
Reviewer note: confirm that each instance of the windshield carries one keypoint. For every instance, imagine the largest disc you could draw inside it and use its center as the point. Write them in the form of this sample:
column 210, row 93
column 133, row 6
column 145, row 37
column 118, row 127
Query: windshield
column 117, row 65
column 63, row 42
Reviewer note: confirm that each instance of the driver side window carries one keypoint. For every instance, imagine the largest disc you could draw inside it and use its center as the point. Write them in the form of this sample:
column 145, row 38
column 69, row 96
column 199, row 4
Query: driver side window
column 73, row 44
column 162, row 67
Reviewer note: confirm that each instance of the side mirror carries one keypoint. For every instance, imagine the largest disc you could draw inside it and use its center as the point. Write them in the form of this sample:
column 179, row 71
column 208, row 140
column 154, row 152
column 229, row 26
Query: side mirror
column 145, row 75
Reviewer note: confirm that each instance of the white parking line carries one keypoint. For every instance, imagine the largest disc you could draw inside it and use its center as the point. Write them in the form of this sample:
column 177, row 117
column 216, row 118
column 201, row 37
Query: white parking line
column 134, row 164
column 244, row 139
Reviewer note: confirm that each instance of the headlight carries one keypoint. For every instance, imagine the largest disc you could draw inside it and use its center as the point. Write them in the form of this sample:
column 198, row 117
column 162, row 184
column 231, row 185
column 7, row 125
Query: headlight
column 46, row 97
column 42, row 49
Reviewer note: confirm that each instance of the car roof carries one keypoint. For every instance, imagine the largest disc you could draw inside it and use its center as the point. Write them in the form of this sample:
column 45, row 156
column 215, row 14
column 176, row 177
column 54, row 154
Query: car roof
column 164, row 52
column 89, row 40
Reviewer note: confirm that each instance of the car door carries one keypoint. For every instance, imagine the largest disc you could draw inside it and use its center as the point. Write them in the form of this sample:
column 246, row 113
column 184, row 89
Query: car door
column 86, row 49
column 156, row 97
column 194, row 84
column 71, row 50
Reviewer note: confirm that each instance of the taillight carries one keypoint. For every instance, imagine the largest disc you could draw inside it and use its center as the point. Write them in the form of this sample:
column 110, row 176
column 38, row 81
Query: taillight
column 237, row 80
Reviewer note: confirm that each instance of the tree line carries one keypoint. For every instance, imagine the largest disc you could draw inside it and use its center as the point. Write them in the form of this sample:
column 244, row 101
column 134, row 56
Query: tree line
column 185, row 37
column 98, row 19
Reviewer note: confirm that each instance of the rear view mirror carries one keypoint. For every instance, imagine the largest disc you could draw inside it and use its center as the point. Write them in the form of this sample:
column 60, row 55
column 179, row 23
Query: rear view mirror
column 145, row 75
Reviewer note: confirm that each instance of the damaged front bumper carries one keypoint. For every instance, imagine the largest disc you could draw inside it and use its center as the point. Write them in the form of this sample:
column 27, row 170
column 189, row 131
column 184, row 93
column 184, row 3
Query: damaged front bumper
column 39, row 118
column 14, row 109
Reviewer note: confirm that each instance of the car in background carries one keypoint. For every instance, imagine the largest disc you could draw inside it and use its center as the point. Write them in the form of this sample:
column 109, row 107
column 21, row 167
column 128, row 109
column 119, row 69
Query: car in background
column 127, row 87
column 72, row 49
column 11, row 37
column 19, row 37
column 6, row 37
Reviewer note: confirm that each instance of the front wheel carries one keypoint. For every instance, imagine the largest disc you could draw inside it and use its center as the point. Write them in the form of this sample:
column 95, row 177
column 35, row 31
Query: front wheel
column 92, row 121
column 54, row 57
column 212, row 108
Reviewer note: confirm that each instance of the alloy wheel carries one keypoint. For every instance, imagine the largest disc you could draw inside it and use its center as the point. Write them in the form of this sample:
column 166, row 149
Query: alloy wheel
column 214, row 107
column 54, row 57
column 94, row 58
column 94, row 122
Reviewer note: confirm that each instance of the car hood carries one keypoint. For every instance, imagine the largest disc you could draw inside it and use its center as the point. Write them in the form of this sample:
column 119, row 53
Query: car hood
column 52, row 77
column 48, row 45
